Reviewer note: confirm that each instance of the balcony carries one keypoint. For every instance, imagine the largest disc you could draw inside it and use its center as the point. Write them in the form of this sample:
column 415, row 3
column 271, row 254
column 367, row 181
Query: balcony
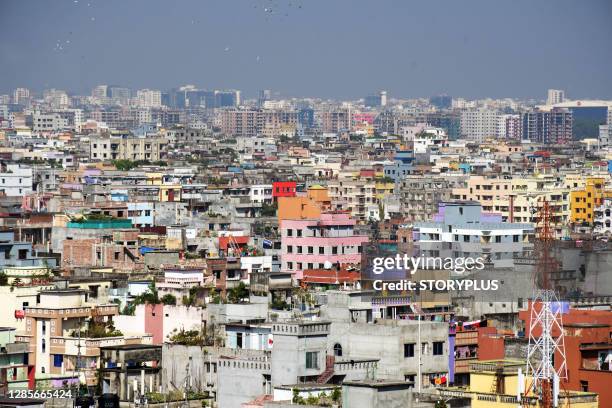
column 15, row 348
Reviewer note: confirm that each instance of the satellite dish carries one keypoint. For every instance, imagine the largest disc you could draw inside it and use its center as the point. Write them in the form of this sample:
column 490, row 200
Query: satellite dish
column 327, row 265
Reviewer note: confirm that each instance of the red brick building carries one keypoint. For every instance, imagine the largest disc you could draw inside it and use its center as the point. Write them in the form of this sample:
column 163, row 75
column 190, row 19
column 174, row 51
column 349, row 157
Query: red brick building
column 588, row 350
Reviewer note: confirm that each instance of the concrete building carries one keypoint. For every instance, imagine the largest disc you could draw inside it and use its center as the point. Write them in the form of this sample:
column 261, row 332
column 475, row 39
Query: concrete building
column 555, row 96
column 251, row 122
column 378, row 100
column 548, row 126
column 401, row 167
column 584, row 201
column 128, row 148
column 421, row 195
column 335, row 120
column 131, row 370
column 51, row 330
column 392, row 344
column 21, row 96
column 315, row 243
column 15, row 180
column 462, row 229
column 603, row 218
column 478, row 124
column 148, row 98
column 15, row 370
column 495, row 383
column 48, row 122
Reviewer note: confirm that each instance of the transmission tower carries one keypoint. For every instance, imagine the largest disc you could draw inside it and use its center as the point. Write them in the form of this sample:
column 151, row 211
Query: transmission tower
column 546, row 342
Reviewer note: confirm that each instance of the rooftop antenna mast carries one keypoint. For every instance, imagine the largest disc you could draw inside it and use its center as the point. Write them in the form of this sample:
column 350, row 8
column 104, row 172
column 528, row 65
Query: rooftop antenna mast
column 546, row 342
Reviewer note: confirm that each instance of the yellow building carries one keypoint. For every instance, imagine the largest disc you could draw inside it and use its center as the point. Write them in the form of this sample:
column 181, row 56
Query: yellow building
column 584, row 200
column 170, row 192
column 494, row 383
column 518, row 198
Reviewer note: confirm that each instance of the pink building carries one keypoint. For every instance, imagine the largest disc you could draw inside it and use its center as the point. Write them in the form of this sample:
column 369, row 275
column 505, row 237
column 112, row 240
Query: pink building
column 310, row 243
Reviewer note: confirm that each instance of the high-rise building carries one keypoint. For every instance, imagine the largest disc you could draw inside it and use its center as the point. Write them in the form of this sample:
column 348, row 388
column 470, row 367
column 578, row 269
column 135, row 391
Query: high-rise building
column 56, row 98
column 148, row 98
column 120, row 95
column 478, row 124
column 509, row 127
column 555, row 96
column 21, row 95
column 100, row 92
column 264, row 95
column 552, row 126
column 227, row 98
column 251, row 122
column 376, row 100
column 336, row 120
column 441, row 101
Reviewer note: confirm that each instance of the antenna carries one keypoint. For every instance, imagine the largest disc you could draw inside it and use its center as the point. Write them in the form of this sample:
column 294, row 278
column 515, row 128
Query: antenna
column 546, row 323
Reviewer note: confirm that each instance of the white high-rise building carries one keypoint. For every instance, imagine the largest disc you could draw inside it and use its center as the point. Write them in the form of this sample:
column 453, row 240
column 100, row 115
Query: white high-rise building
column 100, row 92
column 56, row 98
column 478, row 124
column 383, row 98
column 148, row 98
column 555, row 96
column 21, row 95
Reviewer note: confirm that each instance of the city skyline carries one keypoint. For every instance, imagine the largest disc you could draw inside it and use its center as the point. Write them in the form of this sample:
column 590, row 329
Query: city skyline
column 410, row 50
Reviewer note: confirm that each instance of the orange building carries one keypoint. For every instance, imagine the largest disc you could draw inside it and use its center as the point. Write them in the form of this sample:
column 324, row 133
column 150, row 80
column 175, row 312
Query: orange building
column 307, row 206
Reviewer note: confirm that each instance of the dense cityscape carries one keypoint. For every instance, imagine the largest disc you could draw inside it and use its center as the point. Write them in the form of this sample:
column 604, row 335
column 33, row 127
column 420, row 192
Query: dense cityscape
column 305, row 204
column 191, row 246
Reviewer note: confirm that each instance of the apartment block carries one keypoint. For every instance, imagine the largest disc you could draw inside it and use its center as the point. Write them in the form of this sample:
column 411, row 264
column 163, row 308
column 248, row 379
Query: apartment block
column 130, row 148
column 317, row 243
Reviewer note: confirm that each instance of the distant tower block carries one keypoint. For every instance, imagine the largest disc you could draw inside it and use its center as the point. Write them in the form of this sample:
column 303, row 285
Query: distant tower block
column 383, row 98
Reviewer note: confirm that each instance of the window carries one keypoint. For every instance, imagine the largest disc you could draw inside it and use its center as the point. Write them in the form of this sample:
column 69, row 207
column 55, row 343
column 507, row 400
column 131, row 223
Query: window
column 299, row 233
column 23, row 253
column 290, row 266
column 321, row 250
column 58, row 359
column 289, row 232
column 498, row 239
column 337, row 350
column 466, row 238
column 311, row 250
column 515, row 238
column 334, row 250
column 289, row 249
column 408, row 350
column 299, row 249
column 312, row 360
column 438, row 348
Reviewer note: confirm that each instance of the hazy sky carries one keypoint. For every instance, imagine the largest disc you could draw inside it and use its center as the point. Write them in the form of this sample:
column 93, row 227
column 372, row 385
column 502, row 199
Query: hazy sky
column 326, row 48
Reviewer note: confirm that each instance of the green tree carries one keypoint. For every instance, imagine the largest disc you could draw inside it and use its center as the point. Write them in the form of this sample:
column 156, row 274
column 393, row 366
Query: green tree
column 3, row 279
column 336, row 394
column 168, row 299
column 188, row 338
column 237, row 294
column 268, row 210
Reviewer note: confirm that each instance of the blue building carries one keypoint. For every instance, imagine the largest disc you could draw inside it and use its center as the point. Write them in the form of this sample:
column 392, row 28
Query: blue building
column 401, row 167
column 20, row 253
